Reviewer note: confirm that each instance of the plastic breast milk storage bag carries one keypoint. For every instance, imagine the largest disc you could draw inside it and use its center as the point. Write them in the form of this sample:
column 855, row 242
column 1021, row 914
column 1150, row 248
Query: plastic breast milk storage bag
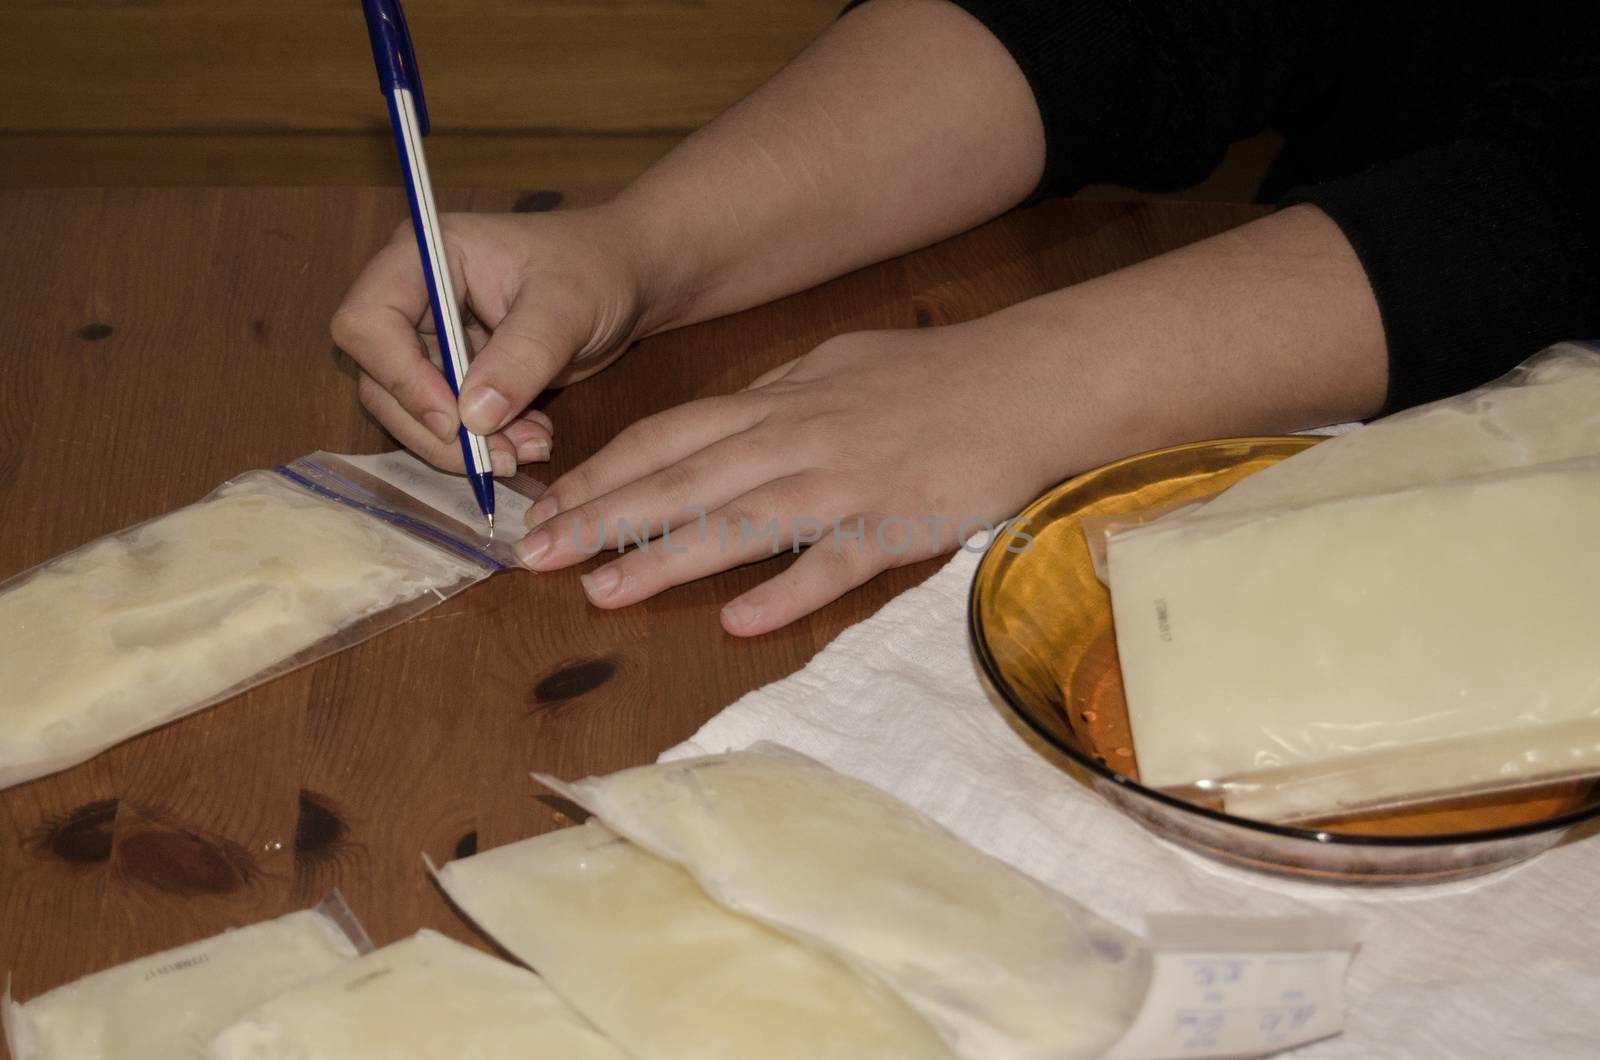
column 272, row 570
column 1001, row 965
column 1544, row 411
column 1394, row 616
column 169, row 1005
column 423, row 998
column 641, row 950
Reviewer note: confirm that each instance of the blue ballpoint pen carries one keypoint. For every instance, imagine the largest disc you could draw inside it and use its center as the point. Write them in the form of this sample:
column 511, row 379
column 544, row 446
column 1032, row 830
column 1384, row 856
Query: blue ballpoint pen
column 401, row 85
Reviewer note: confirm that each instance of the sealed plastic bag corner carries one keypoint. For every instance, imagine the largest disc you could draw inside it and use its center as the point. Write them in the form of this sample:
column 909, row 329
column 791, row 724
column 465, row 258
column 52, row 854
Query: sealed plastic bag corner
column 426, row 997
column 998, row 963
column 169, row 1005
column 272, row 570
column 1394, row 617
column 1098, row 530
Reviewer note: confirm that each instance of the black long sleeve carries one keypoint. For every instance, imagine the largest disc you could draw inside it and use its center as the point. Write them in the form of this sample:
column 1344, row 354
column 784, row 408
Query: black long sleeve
column 1457, row 145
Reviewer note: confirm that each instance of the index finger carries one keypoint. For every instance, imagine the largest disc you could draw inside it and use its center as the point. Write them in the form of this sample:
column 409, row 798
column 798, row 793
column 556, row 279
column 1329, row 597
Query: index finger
column 377, row 325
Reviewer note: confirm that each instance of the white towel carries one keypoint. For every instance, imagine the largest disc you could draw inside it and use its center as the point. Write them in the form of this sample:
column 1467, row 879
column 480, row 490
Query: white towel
column 1502, row 966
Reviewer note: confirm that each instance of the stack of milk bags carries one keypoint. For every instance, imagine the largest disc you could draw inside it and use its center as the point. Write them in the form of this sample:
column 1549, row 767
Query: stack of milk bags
column 731, row 907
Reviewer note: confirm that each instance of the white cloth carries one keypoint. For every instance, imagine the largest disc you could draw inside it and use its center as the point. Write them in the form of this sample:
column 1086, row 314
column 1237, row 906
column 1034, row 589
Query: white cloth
column 1501, row 966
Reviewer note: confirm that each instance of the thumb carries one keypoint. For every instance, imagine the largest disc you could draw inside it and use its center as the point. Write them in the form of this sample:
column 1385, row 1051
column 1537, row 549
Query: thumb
column 528, row 347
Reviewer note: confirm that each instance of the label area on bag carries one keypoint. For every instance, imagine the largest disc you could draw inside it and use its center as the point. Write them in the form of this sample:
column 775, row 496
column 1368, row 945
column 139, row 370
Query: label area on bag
column 1239, row 987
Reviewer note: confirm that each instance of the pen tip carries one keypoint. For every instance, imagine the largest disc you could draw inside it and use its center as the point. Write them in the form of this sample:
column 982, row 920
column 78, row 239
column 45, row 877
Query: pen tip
column 490, row 517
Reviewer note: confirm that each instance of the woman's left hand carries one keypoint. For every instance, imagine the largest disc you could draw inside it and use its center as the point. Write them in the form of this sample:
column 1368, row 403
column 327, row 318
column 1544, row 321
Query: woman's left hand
column 874, row 450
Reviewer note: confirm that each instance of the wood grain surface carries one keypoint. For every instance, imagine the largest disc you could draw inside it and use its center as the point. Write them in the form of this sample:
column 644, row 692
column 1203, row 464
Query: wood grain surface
column 418, row 742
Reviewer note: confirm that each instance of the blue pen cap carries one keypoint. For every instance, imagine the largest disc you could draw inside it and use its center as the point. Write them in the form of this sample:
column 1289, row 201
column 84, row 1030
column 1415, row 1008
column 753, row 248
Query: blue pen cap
column 393, row 54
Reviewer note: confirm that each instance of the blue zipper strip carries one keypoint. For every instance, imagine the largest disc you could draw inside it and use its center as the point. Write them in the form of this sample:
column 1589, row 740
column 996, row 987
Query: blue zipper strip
column 388, row 515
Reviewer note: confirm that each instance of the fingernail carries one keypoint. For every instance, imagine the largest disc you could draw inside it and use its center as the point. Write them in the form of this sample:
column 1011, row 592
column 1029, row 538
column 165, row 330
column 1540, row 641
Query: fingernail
column 483, row 409
column 535, row 416
column 545, row 510
column 602, row 583
column 533, row 547
column 504, row 464
column 441, row 425
column 533, row 449
column 740, row 614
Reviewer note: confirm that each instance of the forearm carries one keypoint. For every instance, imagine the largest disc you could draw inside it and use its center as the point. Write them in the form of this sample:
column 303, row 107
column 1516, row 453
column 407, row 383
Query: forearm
column 1271, row 327
column 905, row 123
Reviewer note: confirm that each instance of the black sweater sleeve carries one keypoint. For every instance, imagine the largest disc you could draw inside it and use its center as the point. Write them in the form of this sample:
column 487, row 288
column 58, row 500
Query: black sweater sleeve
column 1454, row 144
column 1484, row 248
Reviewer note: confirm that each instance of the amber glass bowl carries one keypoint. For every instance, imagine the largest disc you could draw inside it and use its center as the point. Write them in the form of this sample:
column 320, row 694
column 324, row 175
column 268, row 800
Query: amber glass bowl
column 1041, row 624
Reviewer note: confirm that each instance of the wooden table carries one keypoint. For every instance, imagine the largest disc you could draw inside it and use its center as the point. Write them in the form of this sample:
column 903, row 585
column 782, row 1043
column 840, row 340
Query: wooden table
column 345, row 773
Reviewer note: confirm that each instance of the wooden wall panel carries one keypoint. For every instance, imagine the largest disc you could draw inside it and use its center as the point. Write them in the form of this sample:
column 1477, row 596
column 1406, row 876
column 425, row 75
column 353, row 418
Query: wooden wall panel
column 584, row 168
column 550, row 65
column 571, row 95
column 202, row 91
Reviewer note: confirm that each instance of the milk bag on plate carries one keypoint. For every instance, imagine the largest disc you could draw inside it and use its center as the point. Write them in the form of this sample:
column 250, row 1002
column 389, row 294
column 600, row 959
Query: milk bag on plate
column 1001, row 965
column 1394, row 616
column 1370, row 651
column 169, row 1005
column 423, row 998
column 634, row 944
column 272, row 570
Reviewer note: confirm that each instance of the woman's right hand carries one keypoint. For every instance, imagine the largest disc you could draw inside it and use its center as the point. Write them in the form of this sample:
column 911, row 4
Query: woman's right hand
column 551, row 298
column 907, row 122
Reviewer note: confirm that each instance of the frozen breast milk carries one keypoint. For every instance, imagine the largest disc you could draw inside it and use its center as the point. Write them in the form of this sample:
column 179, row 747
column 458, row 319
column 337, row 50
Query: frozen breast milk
column 1000, row 964
column 637, row 947
column 1371, row 650
column 145, row 625
column 1546, row 411
column 424, row 998
column 169, row 1006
